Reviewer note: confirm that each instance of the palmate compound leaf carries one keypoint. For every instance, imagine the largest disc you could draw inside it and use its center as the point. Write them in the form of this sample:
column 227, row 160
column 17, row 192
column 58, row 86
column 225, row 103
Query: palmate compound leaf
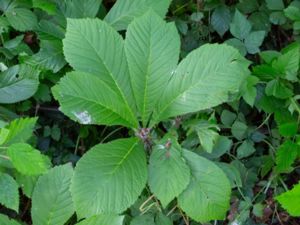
column 51, row 200
column 124, row 11
column 204, row 79
column 109, row 178
column 169, row 174
column 94, row 47
column 208, row 194
column 152, row 48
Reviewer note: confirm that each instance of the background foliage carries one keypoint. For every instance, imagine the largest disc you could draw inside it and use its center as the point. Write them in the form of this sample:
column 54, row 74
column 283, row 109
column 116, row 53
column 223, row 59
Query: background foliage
column 253, row 139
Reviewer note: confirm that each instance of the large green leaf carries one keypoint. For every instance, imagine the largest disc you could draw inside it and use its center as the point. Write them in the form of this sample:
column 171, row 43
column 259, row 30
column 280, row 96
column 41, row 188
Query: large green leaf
column 20, row 130
column 89, row 100
column 18, row 83
column 290, row 200
column 169, row 174
column 208, row 194
column 9, row 194
column 28, row 160
column 109, row 178
column 205, row 78
column 103, row 219
column 152, row 48
column 51, row 200
column 124, row 11
column 6, row 221
column 92, row 46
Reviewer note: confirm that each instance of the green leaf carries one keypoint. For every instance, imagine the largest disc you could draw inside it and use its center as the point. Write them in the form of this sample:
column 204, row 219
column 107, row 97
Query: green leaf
column 50, row 56
column 92, row 46
column 208, row 194
column 3, row 135
column 287, row 64
column 232, row 173
column 28, row 160
column 123, row 12
column 161, row 219
column 245, row 149
column 45, row 5
column 254, row 40
column 51, row 200
column 27, row 183
column 275, row 4
column 114, row 175
column 221, row 19
column 249, row 91
column 239, row 130
column 6, row 221
column 20, row 130
column 169, row 174
column 227, row 117
column 238, row 44
column 9, row 193
column 292, row 12
column 18, row 83
column 205, row 78
column 89, row 100
column 103, row 219
column 277, row 89
column 79, row 8
column 152, row 48
column 240, row 26
column 21, row 19
column 285, row 156
column 146, row 219
column 290, row 200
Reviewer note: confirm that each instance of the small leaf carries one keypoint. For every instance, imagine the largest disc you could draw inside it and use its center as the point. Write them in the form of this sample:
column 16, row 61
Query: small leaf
column 28, row 160
column 208, row 194
column 285, row 156
column 239, row 130
column 53, row 206
column 245, row 149
column 290, row 200
column 254, row 40
column 240, row 26
column 9, row 193
column 220, row 19
column 277, row 89
column 169, row 174
column 238, row 44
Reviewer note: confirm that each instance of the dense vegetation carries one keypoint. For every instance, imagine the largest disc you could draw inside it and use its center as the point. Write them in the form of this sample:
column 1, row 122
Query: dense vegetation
column 149, row 112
